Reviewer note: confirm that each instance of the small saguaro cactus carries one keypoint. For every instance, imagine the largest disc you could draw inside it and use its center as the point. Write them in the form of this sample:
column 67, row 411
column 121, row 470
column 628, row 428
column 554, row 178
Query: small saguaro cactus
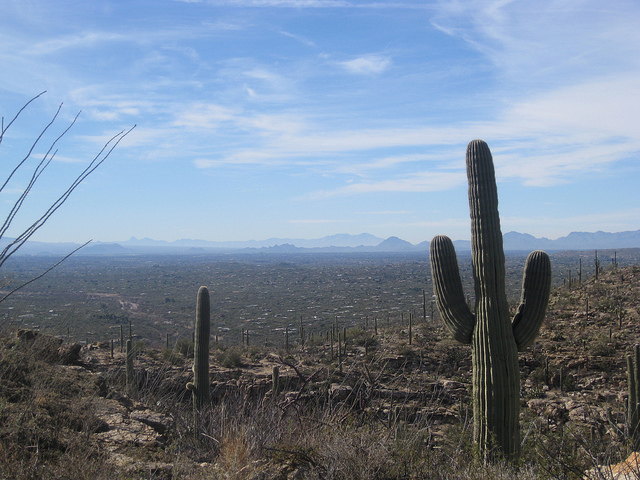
column 275, row 376
column 633, row 381
column 129, row 367
column 494, row 337
column 200, row 385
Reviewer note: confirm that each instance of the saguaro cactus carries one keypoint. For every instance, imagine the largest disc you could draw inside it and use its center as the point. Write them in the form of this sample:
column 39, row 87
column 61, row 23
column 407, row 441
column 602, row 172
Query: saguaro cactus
column 633, row 381
column 494, row 338
column 129, row 367
column 276, row 380
column 200, row 385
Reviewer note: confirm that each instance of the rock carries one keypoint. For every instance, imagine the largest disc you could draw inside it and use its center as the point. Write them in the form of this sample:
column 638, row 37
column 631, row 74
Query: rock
column 122, row 429
column 339, row 393
column 69, row 354
column 578, row 363
column 140, row 469
column 160, row 423
column 27, row 335
column 452, row 385
column 627, row 470
column 555, row 410
column 582, row 413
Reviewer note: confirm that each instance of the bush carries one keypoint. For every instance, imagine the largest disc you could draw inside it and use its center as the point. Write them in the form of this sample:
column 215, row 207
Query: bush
column 185, row 347
column 172, row 357
column 46, row 415
column 230, row 358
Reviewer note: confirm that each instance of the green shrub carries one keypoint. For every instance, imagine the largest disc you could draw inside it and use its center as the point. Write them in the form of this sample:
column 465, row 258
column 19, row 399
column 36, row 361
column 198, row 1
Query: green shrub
column 184, row 347
column 172, row 357
column 230, row 358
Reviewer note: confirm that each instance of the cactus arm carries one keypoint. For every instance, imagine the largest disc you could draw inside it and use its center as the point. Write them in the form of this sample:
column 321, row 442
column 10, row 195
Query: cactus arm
column 447, row 287
column 536, row 284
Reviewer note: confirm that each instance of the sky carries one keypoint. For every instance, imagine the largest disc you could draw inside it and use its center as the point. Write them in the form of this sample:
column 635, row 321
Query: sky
column 306, row 118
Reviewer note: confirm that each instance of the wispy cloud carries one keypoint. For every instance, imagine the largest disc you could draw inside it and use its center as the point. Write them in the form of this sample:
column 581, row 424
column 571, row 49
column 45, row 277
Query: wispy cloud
column 274, row 3
column 422, row 182
column 366, row 64
column 204, row 116
column 387, row 212
column 386, row 163
column 557, row 43
column 543, row 139
column 82, row 40
column 314, row 221
column 299, row 38
column 300, row 4
column 312, row 4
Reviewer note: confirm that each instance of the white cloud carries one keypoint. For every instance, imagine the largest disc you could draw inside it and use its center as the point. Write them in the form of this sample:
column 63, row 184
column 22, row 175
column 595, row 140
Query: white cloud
column 366, row 65
column 312, row 221
column 387, row 212
column 314, row 4
column 275, row 3
column 204, row 116
column 548, row 133
column 597, row 108
column 81, row 40
column 551, row 44
column 422, row 182
column 299, row 38
column 385, row 163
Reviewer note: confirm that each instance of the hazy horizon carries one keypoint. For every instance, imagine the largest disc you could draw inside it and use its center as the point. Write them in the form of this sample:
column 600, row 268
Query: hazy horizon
column 304, row 119
column 356, row 235
column 367, row 240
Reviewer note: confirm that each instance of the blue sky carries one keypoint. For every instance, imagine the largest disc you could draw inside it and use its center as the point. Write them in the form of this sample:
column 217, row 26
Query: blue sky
column 307, row 118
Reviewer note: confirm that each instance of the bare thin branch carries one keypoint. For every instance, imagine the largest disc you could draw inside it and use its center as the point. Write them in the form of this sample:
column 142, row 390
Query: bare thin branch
column 12, row 247
column 17, row 115
column 43, row 273
column 33, row 146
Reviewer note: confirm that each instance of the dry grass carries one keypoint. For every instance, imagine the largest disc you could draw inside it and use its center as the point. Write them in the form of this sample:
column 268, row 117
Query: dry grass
column 47, row 429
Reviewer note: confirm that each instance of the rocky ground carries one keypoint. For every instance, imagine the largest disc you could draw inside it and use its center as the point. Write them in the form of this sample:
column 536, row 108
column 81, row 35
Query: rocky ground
column 573, row 384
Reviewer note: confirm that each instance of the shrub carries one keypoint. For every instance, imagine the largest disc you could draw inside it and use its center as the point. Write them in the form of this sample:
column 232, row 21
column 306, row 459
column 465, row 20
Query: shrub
column 185, row 347
column 230, row 358
column 172, row 357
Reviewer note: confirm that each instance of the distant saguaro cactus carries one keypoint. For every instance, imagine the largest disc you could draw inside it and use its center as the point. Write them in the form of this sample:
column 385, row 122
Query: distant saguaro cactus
column 200, row 385
column 275, row 376
column 633, row 381
column 495, row 339
column 129, row 367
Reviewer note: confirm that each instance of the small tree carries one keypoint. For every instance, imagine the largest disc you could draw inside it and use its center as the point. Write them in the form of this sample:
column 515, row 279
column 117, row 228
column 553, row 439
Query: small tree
column 13, row 245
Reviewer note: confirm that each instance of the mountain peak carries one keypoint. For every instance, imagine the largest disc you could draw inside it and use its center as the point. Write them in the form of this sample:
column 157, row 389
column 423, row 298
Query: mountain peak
column 395, row 244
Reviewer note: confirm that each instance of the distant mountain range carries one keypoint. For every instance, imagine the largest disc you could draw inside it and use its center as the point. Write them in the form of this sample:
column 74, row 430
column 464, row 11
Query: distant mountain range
column 342, row 243
column 339, row 240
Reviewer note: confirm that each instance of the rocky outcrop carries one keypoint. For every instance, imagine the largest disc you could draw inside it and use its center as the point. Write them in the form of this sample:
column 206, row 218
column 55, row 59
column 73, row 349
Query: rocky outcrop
column 627, row 470
column 124, row 428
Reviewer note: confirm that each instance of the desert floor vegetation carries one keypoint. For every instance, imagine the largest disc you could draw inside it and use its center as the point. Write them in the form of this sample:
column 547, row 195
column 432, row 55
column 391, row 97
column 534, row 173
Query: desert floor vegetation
column 390, row 410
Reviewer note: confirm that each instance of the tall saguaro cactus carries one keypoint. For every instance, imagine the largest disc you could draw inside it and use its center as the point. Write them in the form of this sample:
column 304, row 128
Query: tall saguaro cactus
column 200, row 385
column 494, row 337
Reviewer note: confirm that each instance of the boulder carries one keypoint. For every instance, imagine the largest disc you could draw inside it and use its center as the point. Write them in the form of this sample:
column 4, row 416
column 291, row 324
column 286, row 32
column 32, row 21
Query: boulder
column 627, row 470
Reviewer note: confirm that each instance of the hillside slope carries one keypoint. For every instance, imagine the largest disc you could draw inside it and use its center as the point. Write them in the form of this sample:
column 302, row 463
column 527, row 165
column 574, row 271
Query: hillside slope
column 394, row 408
